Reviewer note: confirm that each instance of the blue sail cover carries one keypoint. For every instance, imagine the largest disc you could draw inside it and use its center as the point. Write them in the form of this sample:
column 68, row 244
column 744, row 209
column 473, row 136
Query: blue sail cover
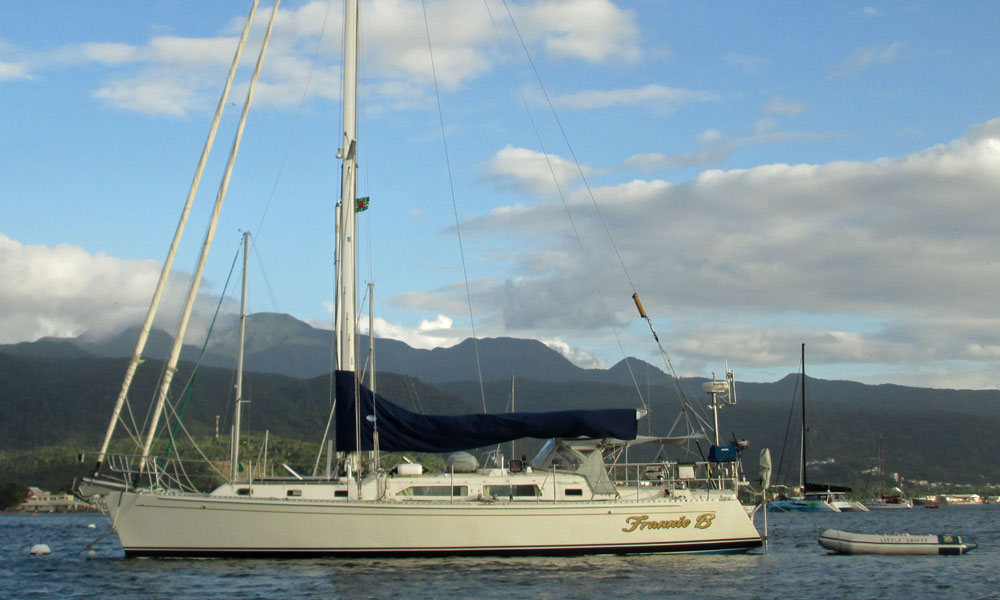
column 400, row 430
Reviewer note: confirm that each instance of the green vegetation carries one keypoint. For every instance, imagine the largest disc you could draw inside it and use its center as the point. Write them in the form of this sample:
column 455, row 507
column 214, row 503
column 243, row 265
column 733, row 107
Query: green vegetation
column 52, row 408
column 12, row 494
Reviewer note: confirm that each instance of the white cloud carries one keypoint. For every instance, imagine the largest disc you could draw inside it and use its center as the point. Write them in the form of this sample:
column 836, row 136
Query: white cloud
column 64, row 291
column 654, row 98
column 429, row 334
column 575, row 355
column 654, row 161
column 108, row 53
column 866, row 57
column 781, row 106
column 716, row 147
column 155, row 96
column 13, row 70
column 535, row 172
column 873, row 262
column 592, row 30
column 174, row 75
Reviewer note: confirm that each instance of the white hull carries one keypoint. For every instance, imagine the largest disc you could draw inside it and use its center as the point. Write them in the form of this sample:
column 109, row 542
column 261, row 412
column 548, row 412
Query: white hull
column 801, row 505
column 172, row 524
column 888, row 505
column 849, row 506
column 818, row 502
column 894, row 543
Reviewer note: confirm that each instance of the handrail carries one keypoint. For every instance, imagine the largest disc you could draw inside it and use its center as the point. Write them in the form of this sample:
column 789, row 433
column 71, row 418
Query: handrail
column 702, row 474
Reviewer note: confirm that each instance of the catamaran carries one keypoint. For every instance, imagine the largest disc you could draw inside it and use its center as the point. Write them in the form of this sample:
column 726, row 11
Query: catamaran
column 578, row 495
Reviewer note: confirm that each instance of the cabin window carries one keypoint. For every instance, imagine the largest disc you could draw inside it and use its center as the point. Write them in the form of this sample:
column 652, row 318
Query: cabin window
column 339, row 493
column 435, row 490
column 512, row 491
column 243, row 491
column 294, row 493
column 573, row 492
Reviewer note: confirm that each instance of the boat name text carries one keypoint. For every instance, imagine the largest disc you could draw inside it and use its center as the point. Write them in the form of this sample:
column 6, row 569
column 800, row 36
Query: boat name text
column 640, row 522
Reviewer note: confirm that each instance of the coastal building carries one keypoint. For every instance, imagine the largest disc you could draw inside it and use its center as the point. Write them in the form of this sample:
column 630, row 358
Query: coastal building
column 39, row 500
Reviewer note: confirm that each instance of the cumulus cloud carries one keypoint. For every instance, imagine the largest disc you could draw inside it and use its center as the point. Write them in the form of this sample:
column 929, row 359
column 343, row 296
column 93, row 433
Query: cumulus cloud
column 532, row 171
column 64, row 291
column 175, row 75
column 575, row 355
column 593, row 30
column 877, row 262
column 429, row 334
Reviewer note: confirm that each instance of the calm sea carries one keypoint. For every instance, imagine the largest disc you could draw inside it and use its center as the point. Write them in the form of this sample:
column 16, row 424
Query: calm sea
column 794, row 565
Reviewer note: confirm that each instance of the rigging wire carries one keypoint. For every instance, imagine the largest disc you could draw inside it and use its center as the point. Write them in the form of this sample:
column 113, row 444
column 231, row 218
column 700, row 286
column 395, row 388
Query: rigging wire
column 189, row 384
column 788, row 426
column 454, row 206
column 562, row 196
column 295, row 124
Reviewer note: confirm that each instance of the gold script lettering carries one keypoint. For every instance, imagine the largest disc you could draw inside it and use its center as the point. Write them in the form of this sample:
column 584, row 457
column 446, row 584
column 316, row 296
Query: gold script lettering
column 704, row 521
column 642, row 522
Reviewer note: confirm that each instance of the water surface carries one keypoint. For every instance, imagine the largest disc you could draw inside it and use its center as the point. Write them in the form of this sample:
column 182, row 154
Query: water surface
column 794, row 565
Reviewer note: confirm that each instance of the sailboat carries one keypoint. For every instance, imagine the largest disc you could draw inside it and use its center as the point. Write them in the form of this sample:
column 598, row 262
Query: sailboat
column 888, row 498
column 578, row 495
column 814, row 497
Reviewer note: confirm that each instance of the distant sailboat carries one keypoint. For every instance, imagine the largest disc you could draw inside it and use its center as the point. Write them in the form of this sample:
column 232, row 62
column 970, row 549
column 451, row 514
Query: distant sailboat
column 888, row 498
column 814, row 497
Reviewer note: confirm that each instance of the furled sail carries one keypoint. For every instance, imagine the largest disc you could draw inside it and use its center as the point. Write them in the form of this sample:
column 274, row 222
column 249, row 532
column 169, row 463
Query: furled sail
column 400, row 430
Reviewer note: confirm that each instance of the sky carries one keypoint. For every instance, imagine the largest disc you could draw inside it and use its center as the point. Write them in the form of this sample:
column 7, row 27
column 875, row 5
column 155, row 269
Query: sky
column 762, row 175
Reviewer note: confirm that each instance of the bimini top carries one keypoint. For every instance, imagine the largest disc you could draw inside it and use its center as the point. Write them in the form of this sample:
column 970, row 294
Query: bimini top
column 400, row 430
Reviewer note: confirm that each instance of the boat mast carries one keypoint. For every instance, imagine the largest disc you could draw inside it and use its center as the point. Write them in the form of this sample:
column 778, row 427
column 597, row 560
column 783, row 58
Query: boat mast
column 802, row 474
column 512, row 409
column 234, row 461
column 883, row 481
column 161, row 284
column 175, row 352
column 371, row 372
column 346, row 254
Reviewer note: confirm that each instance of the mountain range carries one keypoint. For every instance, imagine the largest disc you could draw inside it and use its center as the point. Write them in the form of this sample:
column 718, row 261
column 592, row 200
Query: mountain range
column 61, row 391
column 281, row 344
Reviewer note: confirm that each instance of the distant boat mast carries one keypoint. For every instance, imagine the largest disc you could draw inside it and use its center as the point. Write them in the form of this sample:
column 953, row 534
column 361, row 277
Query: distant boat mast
column 802, row 474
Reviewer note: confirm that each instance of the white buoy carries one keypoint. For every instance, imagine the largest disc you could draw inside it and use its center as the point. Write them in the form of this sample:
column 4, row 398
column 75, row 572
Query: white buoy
column 39, row 549
column 91, row 526
column 91, row 554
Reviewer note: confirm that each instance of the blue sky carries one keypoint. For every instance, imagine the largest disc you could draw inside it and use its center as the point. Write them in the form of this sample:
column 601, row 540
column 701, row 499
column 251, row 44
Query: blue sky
column 768, row 174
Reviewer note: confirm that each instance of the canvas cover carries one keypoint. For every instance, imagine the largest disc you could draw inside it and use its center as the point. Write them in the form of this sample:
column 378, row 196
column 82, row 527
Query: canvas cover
column 728, row 453
column 400, row 430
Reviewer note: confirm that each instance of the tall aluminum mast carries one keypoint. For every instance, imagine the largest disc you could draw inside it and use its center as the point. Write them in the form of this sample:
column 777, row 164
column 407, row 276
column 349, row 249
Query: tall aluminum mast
column 347, row 286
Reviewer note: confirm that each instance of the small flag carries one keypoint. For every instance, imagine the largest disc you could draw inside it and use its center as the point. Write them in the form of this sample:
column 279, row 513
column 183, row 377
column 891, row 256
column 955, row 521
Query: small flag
column 361, row 204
